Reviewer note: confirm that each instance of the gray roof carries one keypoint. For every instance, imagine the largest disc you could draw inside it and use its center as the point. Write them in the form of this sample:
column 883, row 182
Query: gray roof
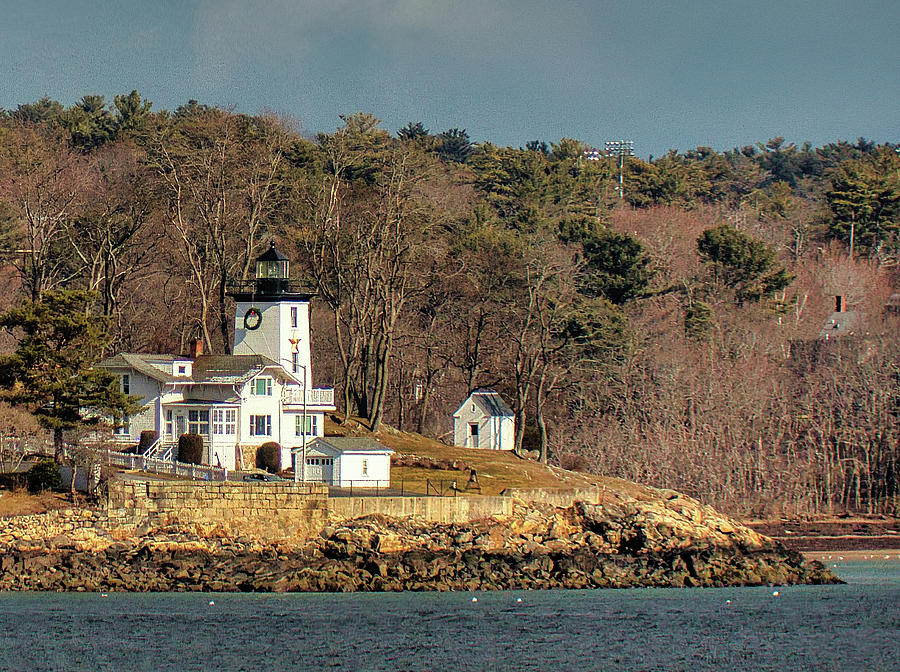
column 847, row 323
column 347, row 444
column 490, row 403
column 142, row 363
column 229, row 368
column 210, row 369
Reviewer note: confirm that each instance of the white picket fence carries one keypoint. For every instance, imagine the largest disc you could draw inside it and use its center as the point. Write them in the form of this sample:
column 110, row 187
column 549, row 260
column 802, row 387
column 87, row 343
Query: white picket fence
column 157, row 466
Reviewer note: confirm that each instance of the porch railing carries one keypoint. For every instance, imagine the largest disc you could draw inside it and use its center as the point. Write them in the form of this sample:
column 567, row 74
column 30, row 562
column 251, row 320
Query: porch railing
column 158, row 466
column 317, row 396
column 160, row 450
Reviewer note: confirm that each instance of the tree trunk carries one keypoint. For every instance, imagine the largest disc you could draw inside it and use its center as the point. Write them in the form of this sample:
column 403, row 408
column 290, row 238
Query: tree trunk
column 58, row 447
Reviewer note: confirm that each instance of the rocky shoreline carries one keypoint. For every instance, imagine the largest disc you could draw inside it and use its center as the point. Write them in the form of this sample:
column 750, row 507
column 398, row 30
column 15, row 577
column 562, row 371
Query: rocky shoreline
column 669, row 540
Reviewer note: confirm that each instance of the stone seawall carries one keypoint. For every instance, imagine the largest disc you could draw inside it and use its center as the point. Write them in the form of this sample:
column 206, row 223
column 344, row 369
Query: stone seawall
column 276, row 510
column 430, row 509
column 268, row 510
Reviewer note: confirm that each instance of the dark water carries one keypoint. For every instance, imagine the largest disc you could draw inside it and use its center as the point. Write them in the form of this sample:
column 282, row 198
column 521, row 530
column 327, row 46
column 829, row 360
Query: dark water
column 851, row 627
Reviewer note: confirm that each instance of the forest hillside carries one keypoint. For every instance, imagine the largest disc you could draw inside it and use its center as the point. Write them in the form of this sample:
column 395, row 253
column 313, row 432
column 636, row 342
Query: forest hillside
column 666, row 321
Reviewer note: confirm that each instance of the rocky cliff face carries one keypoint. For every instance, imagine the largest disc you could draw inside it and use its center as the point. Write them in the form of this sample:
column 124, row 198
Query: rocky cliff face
column 664, row 540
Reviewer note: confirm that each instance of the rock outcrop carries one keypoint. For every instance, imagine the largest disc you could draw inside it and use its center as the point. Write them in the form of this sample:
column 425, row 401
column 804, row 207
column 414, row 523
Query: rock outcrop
column 666, row 540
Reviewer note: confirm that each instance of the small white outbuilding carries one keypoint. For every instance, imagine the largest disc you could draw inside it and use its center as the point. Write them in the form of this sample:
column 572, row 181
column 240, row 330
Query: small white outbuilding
column 484, row 421
column 348, row 462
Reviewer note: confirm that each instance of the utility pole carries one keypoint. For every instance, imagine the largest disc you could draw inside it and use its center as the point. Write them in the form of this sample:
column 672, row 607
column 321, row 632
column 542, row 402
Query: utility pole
column 621, row 149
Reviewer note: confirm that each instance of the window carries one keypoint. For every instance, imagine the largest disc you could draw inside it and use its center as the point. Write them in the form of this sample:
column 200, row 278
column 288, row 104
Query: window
column 365, row 465
column 295, row 361
column 310, row 428
column 262, row 387
column 294, row 317
column 260, row 425
column 473, row 430
column 126, row 383
column 123, row 426
column 182, row 369
column 224, row 421
column 198, row 422
column 170, row 427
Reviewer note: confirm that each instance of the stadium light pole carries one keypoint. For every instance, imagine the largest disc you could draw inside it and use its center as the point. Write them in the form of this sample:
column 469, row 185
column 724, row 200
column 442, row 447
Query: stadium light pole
column 621, row 149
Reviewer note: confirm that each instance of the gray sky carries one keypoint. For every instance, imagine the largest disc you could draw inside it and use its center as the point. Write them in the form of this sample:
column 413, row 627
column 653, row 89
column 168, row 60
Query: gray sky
column 667, row 74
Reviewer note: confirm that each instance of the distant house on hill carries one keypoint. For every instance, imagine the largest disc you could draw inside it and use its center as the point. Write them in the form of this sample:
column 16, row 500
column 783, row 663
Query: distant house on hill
column 484, row 420
column 842, row 322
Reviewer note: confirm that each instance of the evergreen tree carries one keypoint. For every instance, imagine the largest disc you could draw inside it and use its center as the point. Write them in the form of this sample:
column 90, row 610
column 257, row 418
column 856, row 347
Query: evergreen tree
column 617, row 268
column 864, row 200
column 52, row 369
column 742, row 263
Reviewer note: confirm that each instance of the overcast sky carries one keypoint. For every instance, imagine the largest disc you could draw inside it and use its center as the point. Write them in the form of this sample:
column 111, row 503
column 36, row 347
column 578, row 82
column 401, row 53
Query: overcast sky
column 667, row 74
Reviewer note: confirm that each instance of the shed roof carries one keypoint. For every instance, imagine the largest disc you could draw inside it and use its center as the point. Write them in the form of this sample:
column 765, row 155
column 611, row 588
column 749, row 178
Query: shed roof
column 847, row 323
column 346, row 444
column 488, row 402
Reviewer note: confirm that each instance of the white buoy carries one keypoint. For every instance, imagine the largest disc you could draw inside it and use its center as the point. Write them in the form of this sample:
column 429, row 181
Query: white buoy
column 518, row 599
column 840, row 557
column 211, row 603
column 103, row 595
column 474, row 599
column 775, row 593
column 727, row 601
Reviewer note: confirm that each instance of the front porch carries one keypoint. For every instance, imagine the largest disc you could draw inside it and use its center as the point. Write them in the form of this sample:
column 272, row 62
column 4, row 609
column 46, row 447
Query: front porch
column 216, row 423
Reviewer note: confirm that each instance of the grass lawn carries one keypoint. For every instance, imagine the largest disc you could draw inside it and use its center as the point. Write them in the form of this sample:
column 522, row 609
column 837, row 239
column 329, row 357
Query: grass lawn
column 21, row 502
column 496, row 470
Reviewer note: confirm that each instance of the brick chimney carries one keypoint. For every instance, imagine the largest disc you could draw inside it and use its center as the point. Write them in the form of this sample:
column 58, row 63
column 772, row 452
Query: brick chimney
column 196, row 348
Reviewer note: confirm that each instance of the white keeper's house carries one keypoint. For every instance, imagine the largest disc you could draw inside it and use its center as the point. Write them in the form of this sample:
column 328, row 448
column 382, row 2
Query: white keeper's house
column 263, row 392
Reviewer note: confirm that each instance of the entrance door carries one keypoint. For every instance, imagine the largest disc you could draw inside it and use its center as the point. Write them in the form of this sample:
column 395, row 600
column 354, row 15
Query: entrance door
column 180, row 424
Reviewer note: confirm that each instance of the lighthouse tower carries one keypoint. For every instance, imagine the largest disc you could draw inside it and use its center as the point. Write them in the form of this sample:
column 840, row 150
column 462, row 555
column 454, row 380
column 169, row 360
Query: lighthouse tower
column 271, row 319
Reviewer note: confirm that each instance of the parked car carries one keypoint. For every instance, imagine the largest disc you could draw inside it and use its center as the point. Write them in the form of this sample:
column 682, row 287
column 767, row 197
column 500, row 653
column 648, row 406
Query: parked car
column 262, row 476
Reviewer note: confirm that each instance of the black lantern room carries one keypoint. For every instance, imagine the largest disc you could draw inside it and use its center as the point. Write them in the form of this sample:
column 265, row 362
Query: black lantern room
column 272, row 282
column 272, row 272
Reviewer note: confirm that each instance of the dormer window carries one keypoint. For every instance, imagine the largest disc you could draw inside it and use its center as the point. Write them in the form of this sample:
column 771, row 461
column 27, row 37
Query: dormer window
column 125, row 384
column 262, row 387
column 181, row 369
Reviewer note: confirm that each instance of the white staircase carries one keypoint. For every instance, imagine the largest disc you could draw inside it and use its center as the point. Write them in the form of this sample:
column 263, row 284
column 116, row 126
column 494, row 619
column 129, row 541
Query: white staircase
column 161, row 450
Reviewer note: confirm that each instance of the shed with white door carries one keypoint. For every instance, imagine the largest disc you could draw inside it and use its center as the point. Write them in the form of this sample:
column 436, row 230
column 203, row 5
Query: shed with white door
column 348, row 462
column 484, row 421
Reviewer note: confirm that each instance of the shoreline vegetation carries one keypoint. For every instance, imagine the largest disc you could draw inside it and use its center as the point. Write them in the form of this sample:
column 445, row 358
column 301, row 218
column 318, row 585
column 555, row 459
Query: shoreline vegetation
column 665, row 540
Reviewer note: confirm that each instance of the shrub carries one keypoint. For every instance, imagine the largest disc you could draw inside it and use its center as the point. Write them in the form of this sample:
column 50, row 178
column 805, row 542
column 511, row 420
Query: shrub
column 148, row 438
column 44, row 475
column 268, row 457
column 190, row 448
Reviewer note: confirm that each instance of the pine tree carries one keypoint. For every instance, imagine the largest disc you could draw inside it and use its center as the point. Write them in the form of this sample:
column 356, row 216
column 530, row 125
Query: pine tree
column 51, row 371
